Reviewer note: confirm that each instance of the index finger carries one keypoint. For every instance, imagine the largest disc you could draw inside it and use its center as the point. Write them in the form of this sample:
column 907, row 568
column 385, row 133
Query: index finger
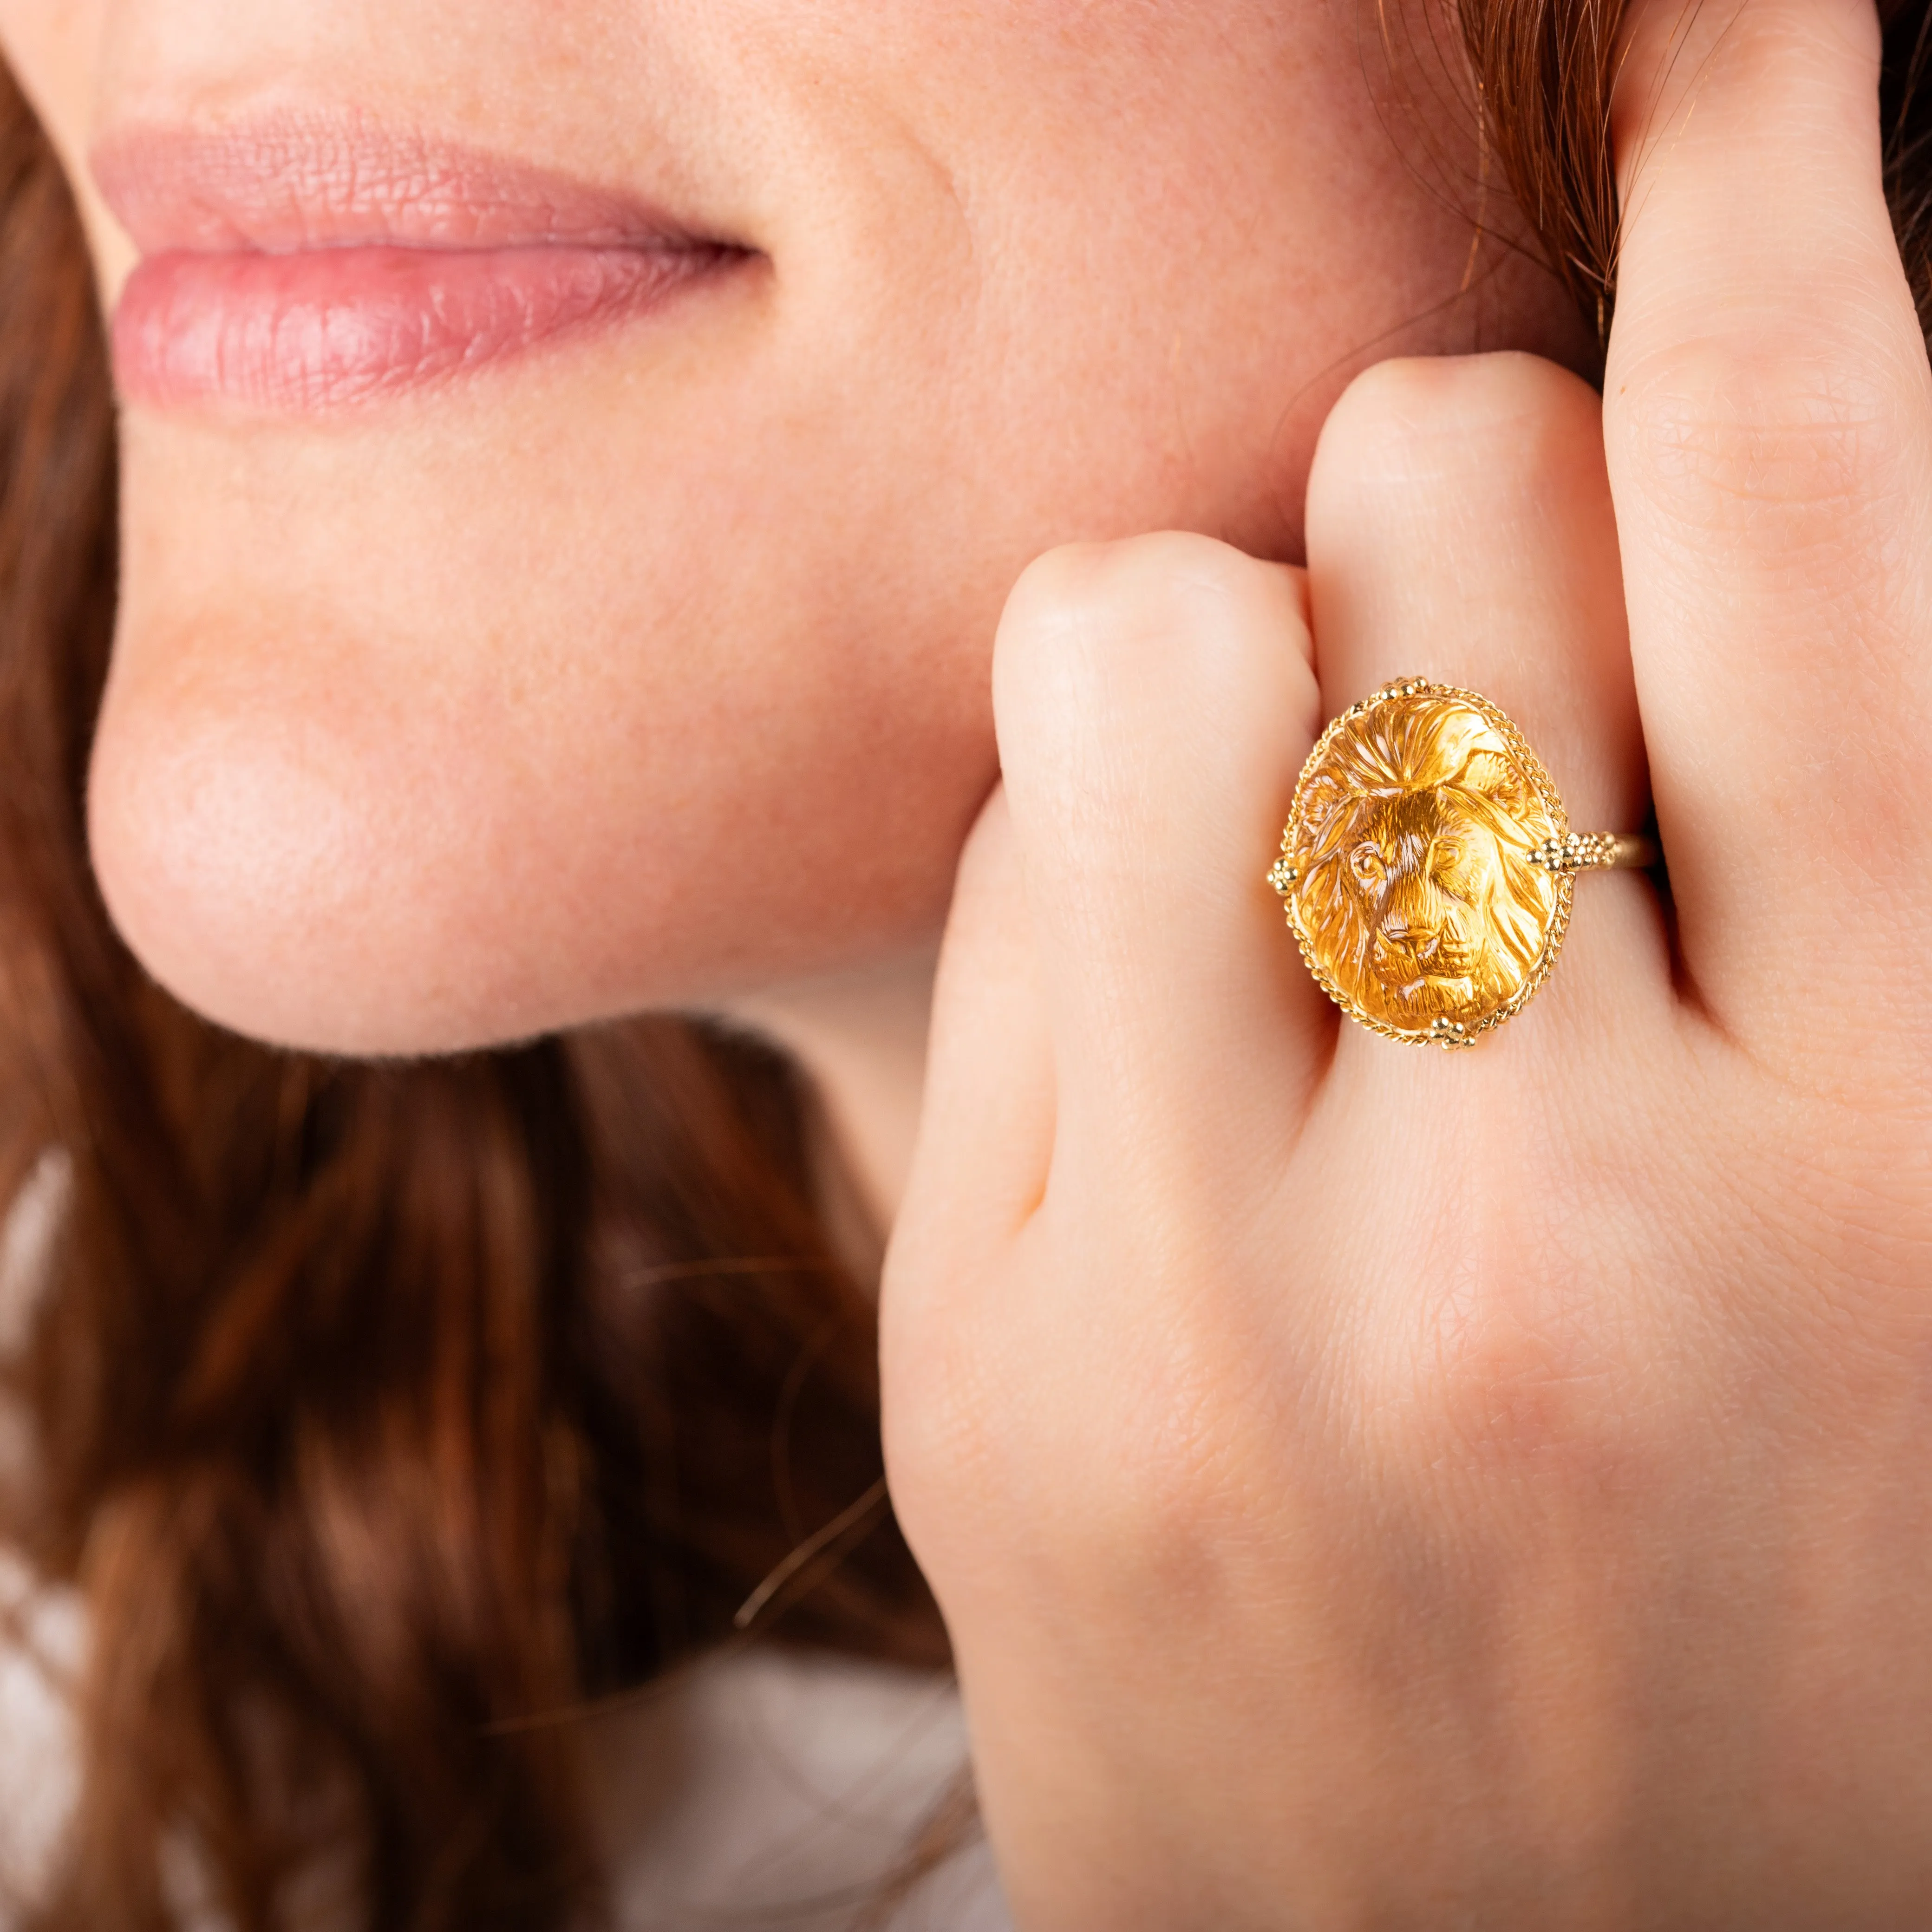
column 1768, row 421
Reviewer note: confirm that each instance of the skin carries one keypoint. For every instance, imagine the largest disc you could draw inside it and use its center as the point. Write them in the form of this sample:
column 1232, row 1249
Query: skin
column 1366, row 1485
column 1514, row 1459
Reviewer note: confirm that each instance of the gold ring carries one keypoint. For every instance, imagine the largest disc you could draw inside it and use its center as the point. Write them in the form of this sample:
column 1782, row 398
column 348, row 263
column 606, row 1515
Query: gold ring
column 1428, row 864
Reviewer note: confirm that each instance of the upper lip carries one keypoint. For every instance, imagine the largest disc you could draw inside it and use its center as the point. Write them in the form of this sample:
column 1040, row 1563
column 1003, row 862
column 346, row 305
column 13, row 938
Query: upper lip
column 288, row 182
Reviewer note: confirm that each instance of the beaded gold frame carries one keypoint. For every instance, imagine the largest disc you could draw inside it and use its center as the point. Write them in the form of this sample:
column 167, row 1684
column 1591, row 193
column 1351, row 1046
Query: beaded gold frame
column 1552, row 847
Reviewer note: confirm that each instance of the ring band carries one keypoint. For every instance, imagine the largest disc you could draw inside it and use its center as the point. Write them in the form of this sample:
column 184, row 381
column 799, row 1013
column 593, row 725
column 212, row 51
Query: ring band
column 1428, row 865
column 1598, row 852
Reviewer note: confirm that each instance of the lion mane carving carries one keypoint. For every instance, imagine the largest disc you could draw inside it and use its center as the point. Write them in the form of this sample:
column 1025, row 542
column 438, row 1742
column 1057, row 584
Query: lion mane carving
column 1416, row 890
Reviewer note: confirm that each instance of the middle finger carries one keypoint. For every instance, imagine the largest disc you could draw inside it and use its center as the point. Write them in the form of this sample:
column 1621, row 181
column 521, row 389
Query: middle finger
column 1768, row 415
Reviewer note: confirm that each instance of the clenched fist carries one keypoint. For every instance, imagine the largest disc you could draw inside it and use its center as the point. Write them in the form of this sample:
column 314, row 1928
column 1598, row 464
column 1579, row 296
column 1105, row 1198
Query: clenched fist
column 1369, row 1486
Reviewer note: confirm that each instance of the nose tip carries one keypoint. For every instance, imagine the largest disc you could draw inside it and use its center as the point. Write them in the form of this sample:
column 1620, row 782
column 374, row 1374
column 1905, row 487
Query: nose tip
column 1415, row 936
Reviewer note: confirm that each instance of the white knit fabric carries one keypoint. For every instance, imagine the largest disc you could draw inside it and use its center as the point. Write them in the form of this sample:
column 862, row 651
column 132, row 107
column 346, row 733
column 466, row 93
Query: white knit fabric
column 42, row 1649
column 771, row 1789
column 787, row 1788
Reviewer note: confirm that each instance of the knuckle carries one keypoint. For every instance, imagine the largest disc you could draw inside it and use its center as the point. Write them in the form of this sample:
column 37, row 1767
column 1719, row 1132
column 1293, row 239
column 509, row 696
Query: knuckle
column 1154, row 580
column 955, row 1437
column 1057, row 584
column 1736, row 436
column 1519, row 1406
column 938, row 1451
column 1102, row 632
column 1506, row 1378
column 1453, row 424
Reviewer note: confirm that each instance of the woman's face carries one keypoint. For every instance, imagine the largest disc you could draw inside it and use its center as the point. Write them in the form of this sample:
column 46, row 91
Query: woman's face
column 530, row 614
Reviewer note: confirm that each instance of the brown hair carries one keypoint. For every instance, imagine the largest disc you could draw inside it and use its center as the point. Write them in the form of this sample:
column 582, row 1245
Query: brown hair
column 379, row 1411
column 382, row 1413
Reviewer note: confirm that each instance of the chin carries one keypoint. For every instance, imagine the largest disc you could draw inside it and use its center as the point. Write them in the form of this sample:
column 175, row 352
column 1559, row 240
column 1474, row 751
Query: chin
column 329, row 880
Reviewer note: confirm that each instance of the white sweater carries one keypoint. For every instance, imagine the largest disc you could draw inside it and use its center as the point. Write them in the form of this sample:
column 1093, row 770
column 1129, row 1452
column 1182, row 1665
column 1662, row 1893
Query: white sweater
column 766, row 1785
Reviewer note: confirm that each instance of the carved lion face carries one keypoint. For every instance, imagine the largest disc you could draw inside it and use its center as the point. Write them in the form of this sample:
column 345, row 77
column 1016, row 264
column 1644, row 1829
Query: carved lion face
column 1426, row 870
column 1417, row 892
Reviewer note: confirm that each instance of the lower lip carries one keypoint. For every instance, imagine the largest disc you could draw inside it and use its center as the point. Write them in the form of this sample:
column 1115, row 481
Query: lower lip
column 334, row 328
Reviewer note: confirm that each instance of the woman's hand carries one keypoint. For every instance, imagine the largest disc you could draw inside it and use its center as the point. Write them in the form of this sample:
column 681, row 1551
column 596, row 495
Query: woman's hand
column 1373, row 1485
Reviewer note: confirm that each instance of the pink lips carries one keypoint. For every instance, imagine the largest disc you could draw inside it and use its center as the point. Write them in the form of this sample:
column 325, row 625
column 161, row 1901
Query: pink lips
column 312, row 264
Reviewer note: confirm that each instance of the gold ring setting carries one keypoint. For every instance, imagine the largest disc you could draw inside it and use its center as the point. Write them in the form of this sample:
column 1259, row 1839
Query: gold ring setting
column 1428, row 865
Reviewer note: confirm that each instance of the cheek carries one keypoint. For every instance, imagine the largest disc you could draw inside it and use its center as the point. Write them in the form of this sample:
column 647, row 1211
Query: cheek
column 394, row 758
column 51, row 48
column 54, row 50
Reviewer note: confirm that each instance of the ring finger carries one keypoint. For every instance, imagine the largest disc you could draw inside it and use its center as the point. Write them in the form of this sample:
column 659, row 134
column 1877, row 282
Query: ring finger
column 1459, row 528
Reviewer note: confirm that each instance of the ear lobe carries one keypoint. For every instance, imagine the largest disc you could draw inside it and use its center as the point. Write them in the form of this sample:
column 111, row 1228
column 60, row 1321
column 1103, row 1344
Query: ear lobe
column 1493, row 777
